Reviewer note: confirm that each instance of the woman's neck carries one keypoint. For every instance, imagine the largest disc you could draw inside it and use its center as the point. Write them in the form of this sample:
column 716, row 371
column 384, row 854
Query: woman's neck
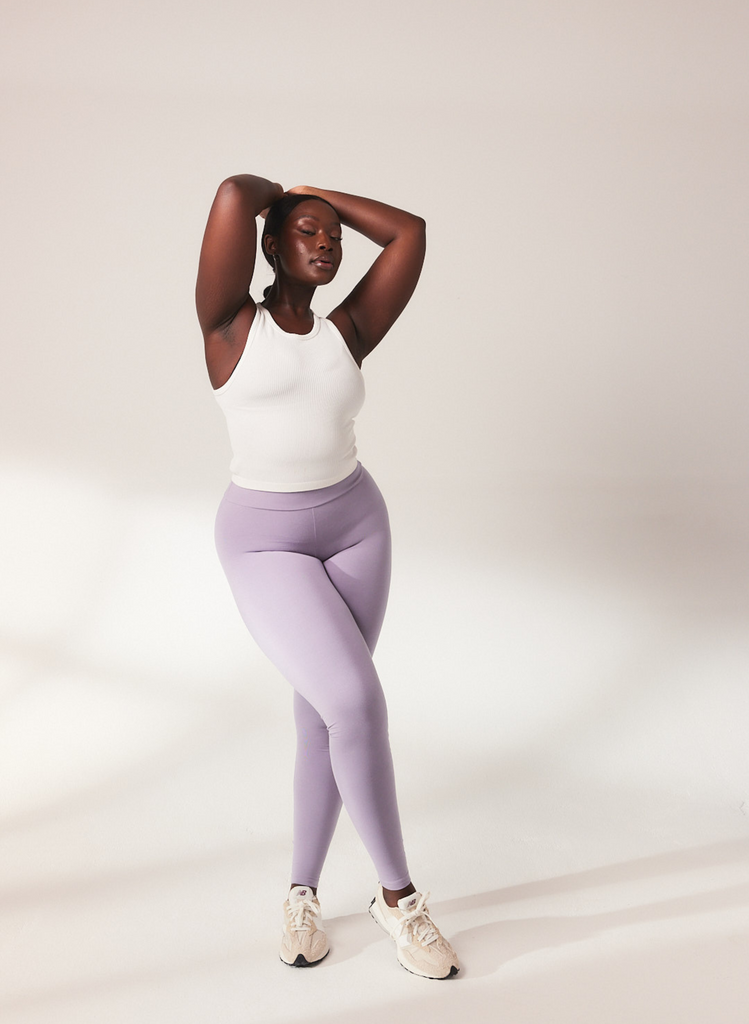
column 291, row 301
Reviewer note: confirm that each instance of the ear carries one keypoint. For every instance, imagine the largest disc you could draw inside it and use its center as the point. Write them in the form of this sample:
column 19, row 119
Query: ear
column 270, row 245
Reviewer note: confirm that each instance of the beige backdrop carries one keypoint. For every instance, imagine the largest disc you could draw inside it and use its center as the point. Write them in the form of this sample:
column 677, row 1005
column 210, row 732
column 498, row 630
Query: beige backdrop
column 581, row 168
column 559, row 422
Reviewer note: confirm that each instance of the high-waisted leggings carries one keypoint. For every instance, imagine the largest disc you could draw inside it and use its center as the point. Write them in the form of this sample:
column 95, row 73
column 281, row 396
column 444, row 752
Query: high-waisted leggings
column 310, row 572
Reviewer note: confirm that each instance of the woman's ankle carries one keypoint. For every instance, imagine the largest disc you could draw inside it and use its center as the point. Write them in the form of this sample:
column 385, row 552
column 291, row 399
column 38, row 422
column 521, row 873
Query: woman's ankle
column 393, row 895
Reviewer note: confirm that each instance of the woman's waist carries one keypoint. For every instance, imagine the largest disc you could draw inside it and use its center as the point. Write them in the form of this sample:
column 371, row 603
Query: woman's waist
column 291, row 496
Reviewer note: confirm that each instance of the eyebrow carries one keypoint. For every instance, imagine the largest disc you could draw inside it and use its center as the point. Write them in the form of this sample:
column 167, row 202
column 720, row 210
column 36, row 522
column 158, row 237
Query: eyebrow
column 312, row 216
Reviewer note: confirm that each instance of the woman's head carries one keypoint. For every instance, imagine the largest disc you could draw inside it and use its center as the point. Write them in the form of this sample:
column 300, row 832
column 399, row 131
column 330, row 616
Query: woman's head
column 302, row 235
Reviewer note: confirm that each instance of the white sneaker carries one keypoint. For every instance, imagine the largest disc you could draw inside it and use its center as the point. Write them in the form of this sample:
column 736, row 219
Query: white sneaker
column 304, row 941
column 419, row 946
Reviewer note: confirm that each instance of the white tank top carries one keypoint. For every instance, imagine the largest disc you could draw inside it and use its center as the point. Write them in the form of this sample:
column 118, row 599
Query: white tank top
column 290, row 405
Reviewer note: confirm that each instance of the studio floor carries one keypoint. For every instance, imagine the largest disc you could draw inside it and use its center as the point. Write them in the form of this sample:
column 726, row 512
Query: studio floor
column 568, row 715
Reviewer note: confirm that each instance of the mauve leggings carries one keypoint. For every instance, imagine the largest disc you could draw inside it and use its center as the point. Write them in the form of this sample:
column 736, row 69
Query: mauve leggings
column 310, row 572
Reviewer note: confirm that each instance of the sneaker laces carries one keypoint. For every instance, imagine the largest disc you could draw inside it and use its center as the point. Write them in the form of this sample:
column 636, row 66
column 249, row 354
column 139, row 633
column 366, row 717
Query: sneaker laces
column 418, row 921
column 300, row 914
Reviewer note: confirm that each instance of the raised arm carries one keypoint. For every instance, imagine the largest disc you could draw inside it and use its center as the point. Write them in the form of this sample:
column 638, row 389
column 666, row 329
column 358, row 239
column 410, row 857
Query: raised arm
column 370, row 310
column 227, row 260
column 227, row 257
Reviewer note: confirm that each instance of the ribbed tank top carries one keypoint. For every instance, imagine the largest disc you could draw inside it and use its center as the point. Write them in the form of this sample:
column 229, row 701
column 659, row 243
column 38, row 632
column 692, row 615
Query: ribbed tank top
column 290, row 405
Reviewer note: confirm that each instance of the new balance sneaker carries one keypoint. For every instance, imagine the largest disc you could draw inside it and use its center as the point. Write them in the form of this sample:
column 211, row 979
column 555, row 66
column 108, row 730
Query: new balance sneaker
column 419, row 946
column 304, row 940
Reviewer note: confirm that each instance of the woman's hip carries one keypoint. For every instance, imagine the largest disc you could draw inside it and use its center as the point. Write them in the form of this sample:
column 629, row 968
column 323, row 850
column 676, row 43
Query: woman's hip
column 318, row 523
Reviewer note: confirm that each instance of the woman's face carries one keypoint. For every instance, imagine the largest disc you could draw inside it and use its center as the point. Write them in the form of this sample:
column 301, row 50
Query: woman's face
column 308, row 246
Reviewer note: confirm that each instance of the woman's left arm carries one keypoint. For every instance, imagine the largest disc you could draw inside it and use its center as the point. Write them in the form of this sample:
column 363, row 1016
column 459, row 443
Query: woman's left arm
column 371, row 309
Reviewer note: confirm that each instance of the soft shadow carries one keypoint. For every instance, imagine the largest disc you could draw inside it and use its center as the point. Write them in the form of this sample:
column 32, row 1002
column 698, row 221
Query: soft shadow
column 484, row 948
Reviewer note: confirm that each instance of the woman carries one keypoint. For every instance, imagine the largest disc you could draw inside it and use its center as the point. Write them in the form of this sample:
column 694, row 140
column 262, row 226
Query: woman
column 302, row 531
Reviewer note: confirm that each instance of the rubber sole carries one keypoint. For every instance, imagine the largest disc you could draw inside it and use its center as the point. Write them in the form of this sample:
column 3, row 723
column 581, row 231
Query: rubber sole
column 453, row 970
column 302, row 961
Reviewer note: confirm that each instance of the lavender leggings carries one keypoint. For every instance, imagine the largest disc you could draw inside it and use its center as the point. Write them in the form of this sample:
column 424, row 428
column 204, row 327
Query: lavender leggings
column 310, row 572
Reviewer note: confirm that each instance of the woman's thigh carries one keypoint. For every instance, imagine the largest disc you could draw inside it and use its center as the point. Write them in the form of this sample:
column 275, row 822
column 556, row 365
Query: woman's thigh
column 302, row 623
column 353, row 536
column 361, row 575
column 311, row 585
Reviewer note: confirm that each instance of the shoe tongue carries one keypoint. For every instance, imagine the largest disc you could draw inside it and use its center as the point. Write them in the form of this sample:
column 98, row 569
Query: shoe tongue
column 301, row 892
column 407, row 903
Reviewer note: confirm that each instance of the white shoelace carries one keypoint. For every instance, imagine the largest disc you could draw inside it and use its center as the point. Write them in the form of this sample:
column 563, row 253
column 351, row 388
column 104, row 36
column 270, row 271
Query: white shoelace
column 299, row 915
column 418, row 922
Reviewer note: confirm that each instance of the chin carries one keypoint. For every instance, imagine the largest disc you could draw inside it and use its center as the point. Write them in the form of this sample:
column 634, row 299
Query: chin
column 325, row 277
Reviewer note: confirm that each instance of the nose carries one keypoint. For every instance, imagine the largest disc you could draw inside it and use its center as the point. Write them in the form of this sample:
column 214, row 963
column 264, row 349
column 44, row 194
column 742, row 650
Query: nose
column 325, row 242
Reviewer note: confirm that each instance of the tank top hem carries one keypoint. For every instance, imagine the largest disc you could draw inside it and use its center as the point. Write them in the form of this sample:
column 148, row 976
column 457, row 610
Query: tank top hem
column 274, row 499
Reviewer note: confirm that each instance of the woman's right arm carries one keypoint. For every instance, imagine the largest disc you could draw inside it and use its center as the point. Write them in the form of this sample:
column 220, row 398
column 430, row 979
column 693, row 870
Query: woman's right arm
column 227, row 261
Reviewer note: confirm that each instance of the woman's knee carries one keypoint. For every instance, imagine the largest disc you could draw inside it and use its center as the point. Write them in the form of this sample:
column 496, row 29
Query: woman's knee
column 358, row 716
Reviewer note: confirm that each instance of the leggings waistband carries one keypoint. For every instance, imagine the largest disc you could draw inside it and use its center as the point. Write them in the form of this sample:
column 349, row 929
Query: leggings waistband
column 282, row 501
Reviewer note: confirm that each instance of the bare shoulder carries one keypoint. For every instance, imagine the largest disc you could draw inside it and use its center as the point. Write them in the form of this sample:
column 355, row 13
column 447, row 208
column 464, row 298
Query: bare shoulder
column 224, row 345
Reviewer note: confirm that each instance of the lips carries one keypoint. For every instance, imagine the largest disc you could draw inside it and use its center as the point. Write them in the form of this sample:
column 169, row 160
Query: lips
column 324, row 262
